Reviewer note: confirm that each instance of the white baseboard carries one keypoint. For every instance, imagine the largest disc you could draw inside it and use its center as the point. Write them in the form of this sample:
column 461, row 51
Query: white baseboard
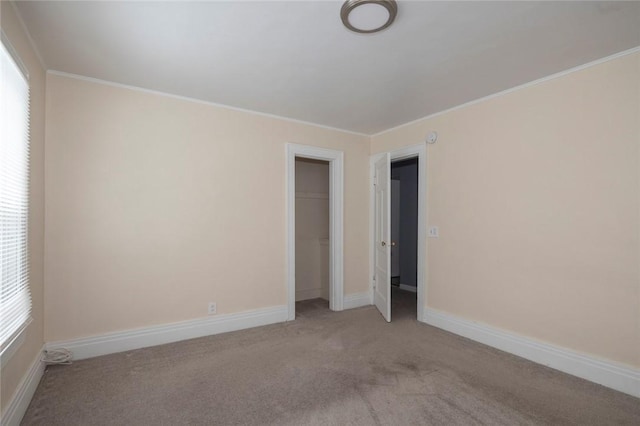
column 407, row 287
column 158, row 335
column 308, row 293
column 18, row 405
column 610, row 374
column 356, row 300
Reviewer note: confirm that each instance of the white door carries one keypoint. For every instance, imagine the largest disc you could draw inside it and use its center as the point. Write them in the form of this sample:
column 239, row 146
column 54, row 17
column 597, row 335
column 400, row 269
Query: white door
column 382, row 236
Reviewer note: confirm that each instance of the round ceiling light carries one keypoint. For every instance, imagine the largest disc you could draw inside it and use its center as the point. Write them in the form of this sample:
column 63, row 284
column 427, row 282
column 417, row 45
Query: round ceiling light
column 368, row 16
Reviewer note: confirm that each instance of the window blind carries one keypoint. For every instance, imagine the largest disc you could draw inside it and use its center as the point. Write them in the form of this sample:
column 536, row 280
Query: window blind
column 15, row 298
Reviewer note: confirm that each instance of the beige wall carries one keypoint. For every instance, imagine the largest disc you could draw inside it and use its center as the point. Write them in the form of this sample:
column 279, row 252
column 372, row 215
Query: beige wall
column 156, row 206
column 312, row 229
column 14, row 371
column 536, row 194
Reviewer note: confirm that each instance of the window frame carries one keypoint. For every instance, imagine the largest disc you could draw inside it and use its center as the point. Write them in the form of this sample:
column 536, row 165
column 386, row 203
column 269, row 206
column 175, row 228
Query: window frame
column 14, row 341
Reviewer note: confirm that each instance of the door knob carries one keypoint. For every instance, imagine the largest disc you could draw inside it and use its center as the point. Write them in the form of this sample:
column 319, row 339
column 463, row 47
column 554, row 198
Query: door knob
column 384, row 243
column 393, row 243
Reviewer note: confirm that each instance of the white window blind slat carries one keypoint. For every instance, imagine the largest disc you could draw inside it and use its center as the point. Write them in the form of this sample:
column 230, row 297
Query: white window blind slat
column 15, row 298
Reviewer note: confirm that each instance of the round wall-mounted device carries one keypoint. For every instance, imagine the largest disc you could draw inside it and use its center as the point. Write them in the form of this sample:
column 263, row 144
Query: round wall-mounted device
column 432, row 137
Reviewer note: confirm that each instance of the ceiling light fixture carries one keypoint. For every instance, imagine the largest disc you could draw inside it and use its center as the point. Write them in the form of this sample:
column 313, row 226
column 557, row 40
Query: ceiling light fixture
column 368, row 16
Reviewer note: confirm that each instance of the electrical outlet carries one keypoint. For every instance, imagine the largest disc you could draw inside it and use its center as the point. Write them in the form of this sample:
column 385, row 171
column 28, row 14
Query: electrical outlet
column 212, row 308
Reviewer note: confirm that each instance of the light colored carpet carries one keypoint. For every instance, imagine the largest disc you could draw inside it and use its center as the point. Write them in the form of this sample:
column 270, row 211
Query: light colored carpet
column 345, row 368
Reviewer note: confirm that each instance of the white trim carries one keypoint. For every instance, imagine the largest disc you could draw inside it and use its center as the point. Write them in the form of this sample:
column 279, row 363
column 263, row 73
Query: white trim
column 607, row 373
column 357, row 300
column 120, row 341
column 13, row 54
column 308, row 293
column 514, row 89
column 419, row 151
column 27, row 33
column 198, row 101
column 406, row 287
column 21, row 399
column 336, row 218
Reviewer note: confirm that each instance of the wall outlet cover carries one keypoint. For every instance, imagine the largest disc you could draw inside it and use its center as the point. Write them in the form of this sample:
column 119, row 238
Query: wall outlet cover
column 212, row 308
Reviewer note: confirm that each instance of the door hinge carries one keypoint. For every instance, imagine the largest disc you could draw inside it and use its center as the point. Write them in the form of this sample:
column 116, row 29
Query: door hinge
column 375, row 180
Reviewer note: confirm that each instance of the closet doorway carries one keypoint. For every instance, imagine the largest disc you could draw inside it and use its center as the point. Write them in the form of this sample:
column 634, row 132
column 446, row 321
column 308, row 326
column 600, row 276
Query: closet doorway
column 335, row 160
column 312, row 234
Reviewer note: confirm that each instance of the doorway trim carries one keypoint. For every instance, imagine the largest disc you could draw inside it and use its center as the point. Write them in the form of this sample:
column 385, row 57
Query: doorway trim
column 418, row 151
column 336, row 223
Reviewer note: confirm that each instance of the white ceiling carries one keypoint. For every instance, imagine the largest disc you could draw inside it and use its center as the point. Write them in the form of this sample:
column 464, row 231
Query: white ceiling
column 295, row 59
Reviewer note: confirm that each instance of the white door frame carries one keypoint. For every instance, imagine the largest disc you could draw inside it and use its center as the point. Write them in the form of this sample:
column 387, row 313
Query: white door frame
column 413, row 151
column 336, row 218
